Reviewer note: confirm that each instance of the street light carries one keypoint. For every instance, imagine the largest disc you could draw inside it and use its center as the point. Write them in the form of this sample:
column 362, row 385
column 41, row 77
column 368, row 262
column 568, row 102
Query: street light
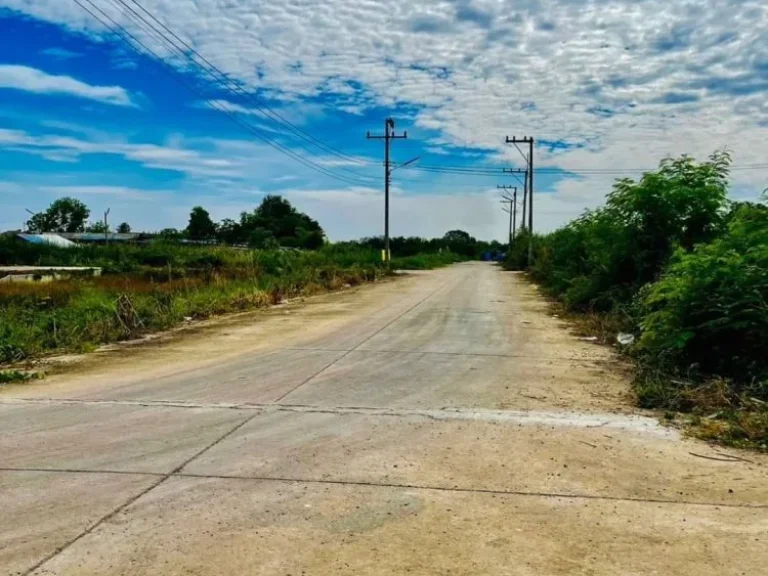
column 411, row 161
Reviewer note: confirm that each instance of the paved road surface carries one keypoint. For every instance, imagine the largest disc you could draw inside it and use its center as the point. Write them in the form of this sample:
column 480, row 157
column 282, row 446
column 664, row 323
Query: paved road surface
column 444, row 423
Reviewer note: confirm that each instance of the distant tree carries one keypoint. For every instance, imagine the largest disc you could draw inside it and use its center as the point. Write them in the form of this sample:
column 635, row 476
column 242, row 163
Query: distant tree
column 98, row 227
column 286, row 224
column 63, row 215
column 200, row 226
column 170, row 234
column 310, row 239
column 461, row 242
column 263, row 239
column 124, row 228
column 230, row 232
column 458, row 236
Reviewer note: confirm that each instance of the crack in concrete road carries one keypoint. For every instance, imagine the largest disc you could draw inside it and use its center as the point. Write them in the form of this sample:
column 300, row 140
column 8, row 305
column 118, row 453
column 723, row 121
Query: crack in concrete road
column 456, row 354
column 135, row 497
column 348, row 352
column 446, row 434
column 213, row 444
column 457, row 489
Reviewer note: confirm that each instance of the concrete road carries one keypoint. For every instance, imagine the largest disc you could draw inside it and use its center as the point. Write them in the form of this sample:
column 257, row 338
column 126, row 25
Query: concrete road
column 444, row 423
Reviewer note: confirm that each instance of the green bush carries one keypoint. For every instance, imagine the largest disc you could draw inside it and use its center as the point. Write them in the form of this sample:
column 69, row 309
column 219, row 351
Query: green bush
column 708, row 314
column 425, row 261
column 687, row 271
column 599, row 261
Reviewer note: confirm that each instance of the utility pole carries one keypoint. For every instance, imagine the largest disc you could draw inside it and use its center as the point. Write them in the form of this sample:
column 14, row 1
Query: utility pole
column 524, row 182
column 106, row 227
column 529, row 184
column 389, row 135
column 512, row 211
column 514, row 214
column 25, row 228
column 525, row 197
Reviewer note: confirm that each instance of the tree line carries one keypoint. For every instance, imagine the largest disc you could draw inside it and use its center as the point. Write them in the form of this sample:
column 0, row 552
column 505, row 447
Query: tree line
column 69, row 215
column 274, row 223
column 459, row 242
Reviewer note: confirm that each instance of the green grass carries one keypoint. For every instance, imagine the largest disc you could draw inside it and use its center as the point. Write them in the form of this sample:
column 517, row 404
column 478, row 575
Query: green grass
column 155, row 287
column 16, row 377
column 710, row 409
column 425, row 261
column 738, row 428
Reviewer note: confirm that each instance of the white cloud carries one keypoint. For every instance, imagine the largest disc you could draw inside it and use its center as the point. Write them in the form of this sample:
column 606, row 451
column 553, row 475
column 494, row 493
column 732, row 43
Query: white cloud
column 187, row 160
column 358, row 212
column 635, row 80
column 121, row 192
column 60, row 53
column 337, row 161
column 199, row 158
column 126, row 204
column 39, row 82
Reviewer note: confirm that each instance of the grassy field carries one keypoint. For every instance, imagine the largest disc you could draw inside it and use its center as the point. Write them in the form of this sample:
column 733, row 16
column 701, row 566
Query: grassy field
column 157, row 286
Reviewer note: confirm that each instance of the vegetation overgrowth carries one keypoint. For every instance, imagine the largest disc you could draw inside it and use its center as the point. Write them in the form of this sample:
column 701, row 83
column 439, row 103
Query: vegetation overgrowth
column 670, row 259
column 16, row 377
column 153, row 287
column 271, row 253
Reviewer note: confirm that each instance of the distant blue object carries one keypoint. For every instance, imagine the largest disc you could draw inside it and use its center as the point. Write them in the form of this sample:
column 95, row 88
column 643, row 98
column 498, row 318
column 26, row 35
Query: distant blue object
column 51, row 239
column 90, row 237
column 99, row 237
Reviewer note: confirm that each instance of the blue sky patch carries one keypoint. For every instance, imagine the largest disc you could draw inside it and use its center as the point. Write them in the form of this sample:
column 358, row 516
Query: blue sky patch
column 82, row 113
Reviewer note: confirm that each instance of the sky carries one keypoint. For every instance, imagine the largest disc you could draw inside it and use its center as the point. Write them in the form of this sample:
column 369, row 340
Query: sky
column 261, row 97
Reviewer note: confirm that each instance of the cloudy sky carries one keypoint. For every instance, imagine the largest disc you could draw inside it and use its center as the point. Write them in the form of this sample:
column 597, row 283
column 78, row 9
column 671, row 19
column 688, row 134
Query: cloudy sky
column 288, row 89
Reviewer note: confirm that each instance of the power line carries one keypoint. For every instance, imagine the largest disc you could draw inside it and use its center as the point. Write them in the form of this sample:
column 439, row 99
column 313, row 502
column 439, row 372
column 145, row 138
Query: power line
column 529, row 187
column 516, row 172
column 133, row 42
column 264, row 109
column 525, row 158
column 512, row 211
column 496, row 172
column 389, row 135
column 234, row 88
column 221, row 78
column 489, row 171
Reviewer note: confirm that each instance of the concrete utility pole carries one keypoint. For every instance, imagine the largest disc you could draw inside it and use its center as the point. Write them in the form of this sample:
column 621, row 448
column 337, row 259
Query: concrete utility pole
column 106, row 227
column 515, row 172
column 512, row 211
column 389, row 135
column 514, row 214
column 529, row 185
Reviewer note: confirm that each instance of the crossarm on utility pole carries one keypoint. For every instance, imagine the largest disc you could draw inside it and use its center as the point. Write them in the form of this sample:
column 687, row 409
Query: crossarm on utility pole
column 389, row 135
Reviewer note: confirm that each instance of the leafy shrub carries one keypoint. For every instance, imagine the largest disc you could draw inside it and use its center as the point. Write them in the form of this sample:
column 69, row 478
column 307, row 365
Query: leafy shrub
column 599, row 261
column 709, row 312
column 686, row 270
